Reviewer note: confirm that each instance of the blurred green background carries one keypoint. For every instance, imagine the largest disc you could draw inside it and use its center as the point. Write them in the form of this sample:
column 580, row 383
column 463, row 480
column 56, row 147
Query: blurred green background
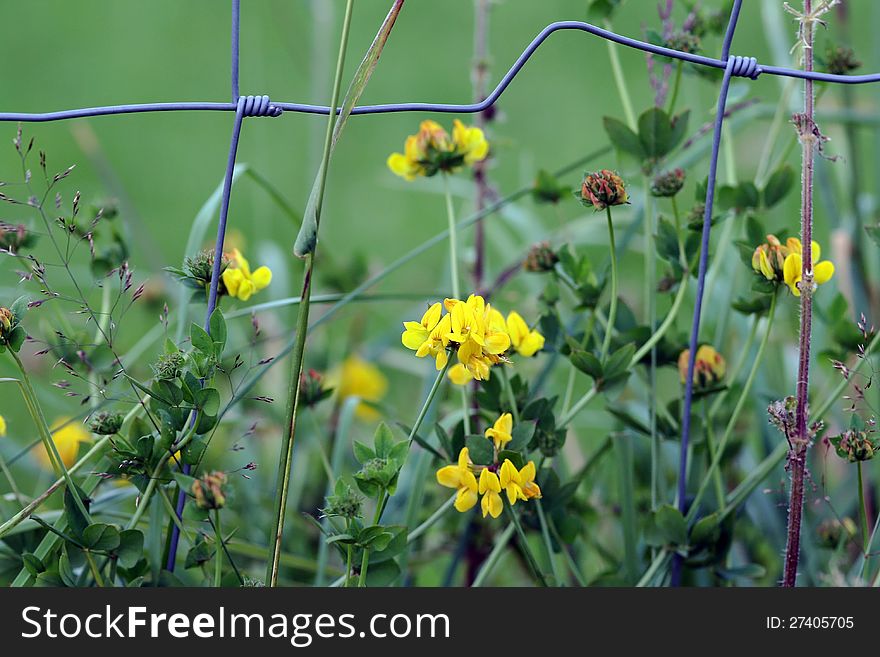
column 163, row 166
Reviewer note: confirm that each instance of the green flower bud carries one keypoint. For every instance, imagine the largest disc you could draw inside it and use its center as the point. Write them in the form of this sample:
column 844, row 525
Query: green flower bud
column 106, row 423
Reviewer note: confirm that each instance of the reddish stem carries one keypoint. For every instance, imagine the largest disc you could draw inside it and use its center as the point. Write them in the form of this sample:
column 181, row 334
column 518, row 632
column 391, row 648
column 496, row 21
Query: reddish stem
column 801, row 440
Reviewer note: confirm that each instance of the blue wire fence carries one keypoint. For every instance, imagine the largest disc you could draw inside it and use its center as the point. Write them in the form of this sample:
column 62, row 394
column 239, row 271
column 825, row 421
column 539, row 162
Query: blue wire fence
column 262, row 106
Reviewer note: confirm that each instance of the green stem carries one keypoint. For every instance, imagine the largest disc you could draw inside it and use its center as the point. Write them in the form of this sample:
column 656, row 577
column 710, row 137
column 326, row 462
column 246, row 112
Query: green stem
column 432, row 519
column 218, row 551
column 494, row 556
column 548, row 544
column 524, row 544
column 453, row 239
column 348, row 550
column 612, row 312
column 36, row 412
column 365, row 561
column 93, row 567
column 863, row 511
column 511, row 398
column 286, row 458
column 737, row 409
column 675, row 88
column 569, row 560
column 620, row 81
column 711, row 451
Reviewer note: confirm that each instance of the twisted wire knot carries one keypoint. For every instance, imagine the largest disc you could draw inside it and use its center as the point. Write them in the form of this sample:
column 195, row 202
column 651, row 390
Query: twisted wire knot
column 744, row 67
column 258, row 106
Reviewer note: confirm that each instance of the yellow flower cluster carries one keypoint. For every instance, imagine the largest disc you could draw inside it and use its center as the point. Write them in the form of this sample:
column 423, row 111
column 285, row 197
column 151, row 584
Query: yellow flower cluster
column 516, row 484
column 432, row 150
column 477, row 332
column 784, row 263
column 240, row 281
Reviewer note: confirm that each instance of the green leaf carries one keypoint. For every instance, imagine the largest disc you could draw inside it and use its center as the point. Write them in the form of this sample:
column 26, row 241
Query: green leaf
column 308, row 232
column 362, row 453
column 586, row 362
column 198, row 554
column 779, row 185
column 184, row 481
column 873, row 233
column 667, row 241
column 131, row 547
column 19, row 307
column 201, row 340
column 16, row 338
column 383, row 440
column 480, row 449
column 623, row 138
column 655, row 133
column 619, row 361
column 383, row 573
column 755, row 306
column 101, row 537
column 208, row 401
column 671, row 525
column 32, row 563
column 706, row 531
column 75, row 519
column 521, row 435
column 217, row 324
column 679, row 129
column 514, row 457
column 206, row 423
column 755, row 233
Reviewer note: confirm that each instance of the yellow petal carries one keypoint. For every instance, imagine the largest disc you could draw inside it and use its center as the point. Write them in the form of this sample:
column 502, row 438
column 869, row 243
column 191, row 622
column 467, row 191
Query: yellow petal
column 816, row 252
column 504, row 423
column 495, row 504
column 792, row 272
column 460, row 375
column 432, row 316
column 449, row 476
column 516, row 327
column 231, row 280
column 764, row 264
column 527, row 474
column 497, row 343
column 441, row 359
column 464, row 458
column 261, row 278
column 402, row 166
column 465, row 499
column 2, row 426
column 489, row 482
column 509, row 474
column 531, row 344
column 414, row 338
column 823, row 272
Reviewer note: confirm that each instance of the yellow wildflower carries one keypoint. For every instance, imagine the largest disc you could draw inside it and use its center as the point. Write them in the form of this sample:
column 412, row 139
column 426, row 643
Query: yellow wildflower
column 429, row 336
column 769, row 258
column 527, row 481
column 793, row 266
column 511, row 482
column 431, row 150
column 359, row 378
column 500, row 432
column 67, row 435
column 471, row 142
column 709, row 366
column 490, row 489
column 2, row 426
column 526, row 342
column 240, row 282
column 461, row 478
